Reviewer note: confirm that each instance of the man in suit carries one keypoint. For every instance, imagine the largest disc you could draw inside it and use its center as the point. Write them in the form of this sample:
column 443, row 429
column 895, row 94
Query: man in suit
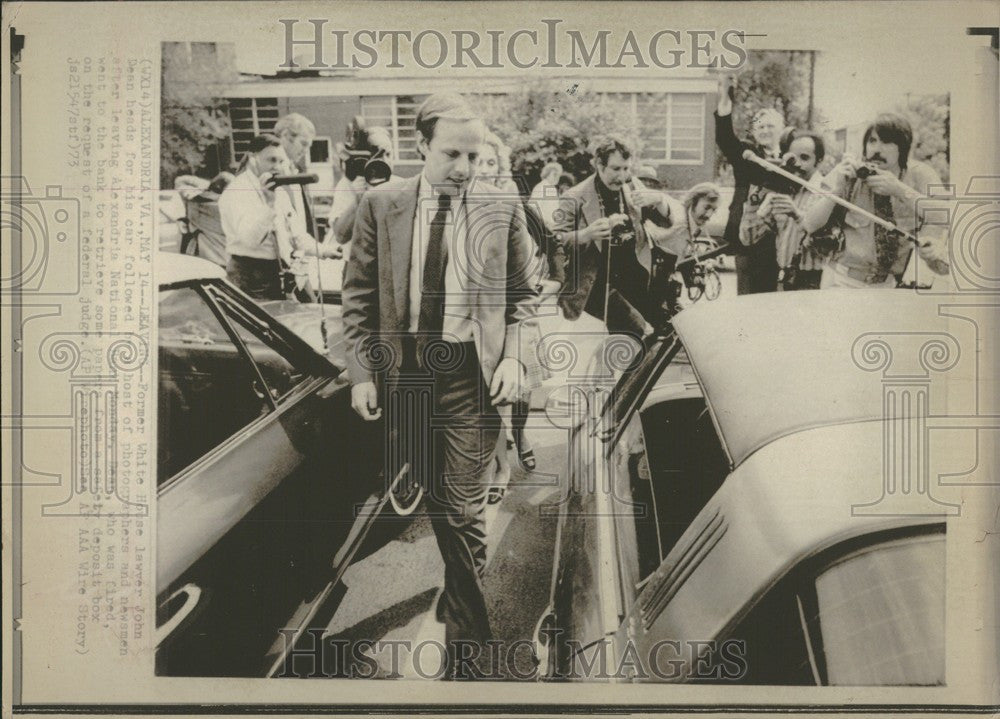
column 602, row 215
column 437, row 286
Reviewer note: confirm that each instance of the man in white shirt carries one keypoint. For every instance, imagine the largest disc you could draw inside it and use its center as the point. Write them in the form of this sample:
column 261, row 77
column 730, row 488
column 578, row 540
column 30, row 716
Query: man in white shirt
column 437, row 286
column 257, row 234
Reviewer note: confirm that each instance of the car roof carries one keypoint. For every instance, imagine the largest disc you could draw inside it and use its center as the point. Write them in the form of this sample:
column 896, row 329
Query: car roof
column 731, row 555
column 172, row 267
column 777, row 363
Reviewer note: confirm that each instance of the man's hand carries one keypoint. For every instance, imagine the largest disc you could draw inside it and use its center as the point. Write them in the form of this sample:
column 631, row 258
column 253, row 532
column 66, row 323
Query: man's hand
column 845, row 171
column 884, row 182
column 507, row 380
column 600, row 230
column 725, row 106
column 647, row 198
column 782, row 204
column 364, row 400
column 331, row 251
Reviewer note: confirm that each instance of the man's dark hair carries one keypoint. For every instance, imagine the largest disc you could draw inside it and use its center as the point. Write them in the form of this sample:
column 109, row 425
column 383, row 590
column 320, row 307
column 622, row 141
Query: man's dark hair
column 893, row 129
column 260, row 143
column 565, row 179
column 819, row 147
column 446, row 105
column 605, row 147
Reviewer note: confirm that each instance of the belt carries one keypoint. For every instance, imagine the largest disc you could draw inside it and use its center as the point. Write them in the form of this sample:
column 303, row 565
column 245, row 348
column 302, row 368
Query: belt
column 855, row 273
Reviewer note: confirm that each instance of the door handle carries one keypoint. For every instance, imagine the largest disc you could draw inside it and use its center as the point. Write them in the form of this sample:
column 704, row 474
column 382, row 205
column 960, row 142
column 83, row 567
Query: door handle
column 192, row 594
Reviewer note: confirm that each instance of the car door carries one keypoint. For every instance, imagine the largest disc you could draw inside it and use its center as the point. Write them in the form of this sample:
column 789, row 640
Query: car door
column 248, row 520
column 592, row 581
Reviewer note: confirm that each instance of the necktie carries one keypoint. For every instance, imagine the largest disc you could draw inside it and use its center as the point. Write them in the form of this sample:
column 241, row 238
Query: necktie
column 886, row 241
column 432, row 285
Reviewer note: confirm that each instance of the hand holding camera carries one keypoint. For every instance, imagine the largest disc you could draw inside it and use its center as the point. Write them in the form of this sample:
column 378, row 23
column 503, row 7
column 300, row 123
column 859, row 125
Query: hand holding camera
column 622, row 229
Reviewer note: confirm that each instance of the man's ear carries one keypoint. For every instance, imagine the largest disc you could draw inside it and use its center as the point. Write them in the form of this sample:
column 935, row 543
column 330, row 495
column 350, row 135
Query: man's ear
column 423, row 147
column 594, row 162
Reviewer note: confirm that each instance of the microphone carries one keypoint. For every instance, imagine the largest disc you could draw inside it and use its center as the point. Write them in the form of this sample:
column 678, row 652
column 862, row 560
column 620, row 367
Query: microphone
column 304, row 179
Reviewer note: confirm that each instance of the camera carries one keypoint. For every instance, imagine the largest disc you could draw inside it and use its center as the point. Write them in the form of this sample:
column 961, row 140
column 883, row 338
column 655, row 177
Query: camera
column 622, row 229
column 47, row 228
column 866, row 170
column 364, row 159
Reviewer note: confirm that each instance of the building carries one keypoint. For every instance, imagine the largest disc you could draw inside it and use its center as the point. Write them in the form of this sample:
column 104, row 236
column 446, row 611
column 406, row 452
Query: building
column 675, row 113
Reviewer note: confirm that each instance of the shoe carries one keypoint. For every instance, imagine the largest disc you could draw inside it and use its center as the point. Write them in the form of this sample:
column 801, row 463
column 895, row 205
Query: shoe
column 527, row 458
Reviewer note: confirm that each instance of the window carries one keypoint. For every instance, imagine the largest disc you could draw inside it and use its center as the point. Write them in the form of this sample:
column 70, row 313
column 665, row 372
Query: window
column 208, row 389
column 320, row 151
column 250, row 116
column 272, row 355
column 863, row 614
column 398, row 114
column 672, row 125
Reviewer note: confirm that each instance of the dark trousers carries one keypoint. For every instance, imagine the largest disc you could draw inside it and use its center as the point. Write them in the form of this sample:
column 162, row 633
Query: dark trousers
column 757, row 268
column 451, row 439
column 261, row 279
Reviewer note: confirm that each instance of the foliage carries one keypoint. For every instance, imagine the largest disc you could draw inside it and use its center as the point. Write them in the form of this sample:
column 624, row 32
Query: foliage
column 545, row 121
column 193, row 119
column 776, row 79
column 929, row 115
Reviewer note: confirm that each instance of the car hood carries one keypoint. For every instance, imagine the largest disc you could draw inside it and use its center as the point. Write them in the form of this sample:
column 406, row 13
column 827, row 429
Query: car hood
column 305, row 320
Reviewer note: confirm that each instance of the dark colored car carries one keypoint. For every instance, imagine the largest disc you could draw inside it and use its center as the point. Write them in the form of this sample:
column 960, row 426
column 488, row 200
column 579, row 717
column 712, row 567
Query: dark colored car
column 267, row 480
column 717, row 521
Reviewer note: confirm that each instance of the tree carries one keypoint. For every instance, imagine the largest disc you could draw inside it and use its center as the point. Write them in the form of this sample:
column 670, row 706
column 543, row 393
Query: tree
column 929, row 116
column 194, row 118
column 778, row 79
column 544, row 121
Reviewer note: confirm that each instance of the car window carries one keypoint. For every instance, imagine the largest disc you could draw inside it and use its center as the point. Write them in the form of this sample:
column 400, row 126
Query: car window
column 673, row 460
column 274, row 357
column 873, row 616
column 636, row 383
column 881, row 614
column 208, row 390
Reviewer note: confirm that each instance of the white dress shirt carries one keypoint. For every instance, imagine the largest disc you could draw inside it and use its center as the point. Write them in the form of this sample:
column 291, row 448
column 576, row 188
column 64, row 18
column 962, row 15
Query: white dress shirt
column 457, row 325
column 253, row 227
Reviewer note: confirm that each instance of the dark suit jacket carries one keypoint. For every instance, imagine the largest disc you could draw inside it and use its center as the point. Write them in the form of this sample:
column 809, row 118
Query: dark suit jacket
column 580, row 207
column 376, row 283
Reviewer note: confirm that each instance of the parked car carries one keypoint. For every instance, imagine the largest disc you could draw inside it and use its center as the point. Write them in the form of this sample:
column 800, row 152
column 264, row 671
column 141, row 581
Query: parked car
column 267, row 481
column 706, row 530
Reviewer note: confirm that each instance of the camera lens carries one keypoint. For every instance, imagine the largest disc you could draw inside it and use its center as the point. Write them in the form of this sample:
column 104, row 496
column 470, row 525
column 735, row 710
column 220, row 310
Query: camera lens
column 377, row 171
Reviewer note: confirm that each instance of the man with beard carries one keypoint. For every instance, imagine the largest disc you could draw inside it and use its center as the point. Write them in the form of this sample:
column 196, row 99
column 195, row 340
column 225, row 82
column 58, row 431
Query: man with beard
column 887, row 184
column 600, row 223
column 779, row 217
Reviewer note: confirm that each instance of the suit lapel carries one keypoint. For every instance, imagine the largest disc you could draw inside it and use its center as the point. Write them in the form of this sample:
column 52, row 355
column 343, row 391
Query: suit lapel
column 399, row 225
column 591, row 203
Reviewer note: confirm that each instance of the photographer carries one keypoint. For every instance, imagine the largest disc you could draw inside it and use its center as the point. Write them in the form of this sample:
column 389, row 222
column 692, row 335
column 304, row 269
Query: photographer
column 887, row 184
column 600, row 228
column 778, row 219
column 257, row 234
column 366, row 163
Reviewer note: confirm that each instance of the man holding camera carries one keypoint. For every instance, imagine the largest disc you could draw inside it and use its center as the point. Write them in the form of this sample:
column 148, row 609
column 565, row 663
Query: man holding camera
column 600, row 222
column 888, row 185
column 366, row 163
column 778, row 218
column 438, row 284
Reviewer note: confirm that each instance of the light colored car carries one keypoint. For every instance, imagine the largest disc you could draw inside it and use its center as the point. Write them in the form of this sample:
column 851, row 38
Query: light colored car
column 267, row 480
column 706, row 531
